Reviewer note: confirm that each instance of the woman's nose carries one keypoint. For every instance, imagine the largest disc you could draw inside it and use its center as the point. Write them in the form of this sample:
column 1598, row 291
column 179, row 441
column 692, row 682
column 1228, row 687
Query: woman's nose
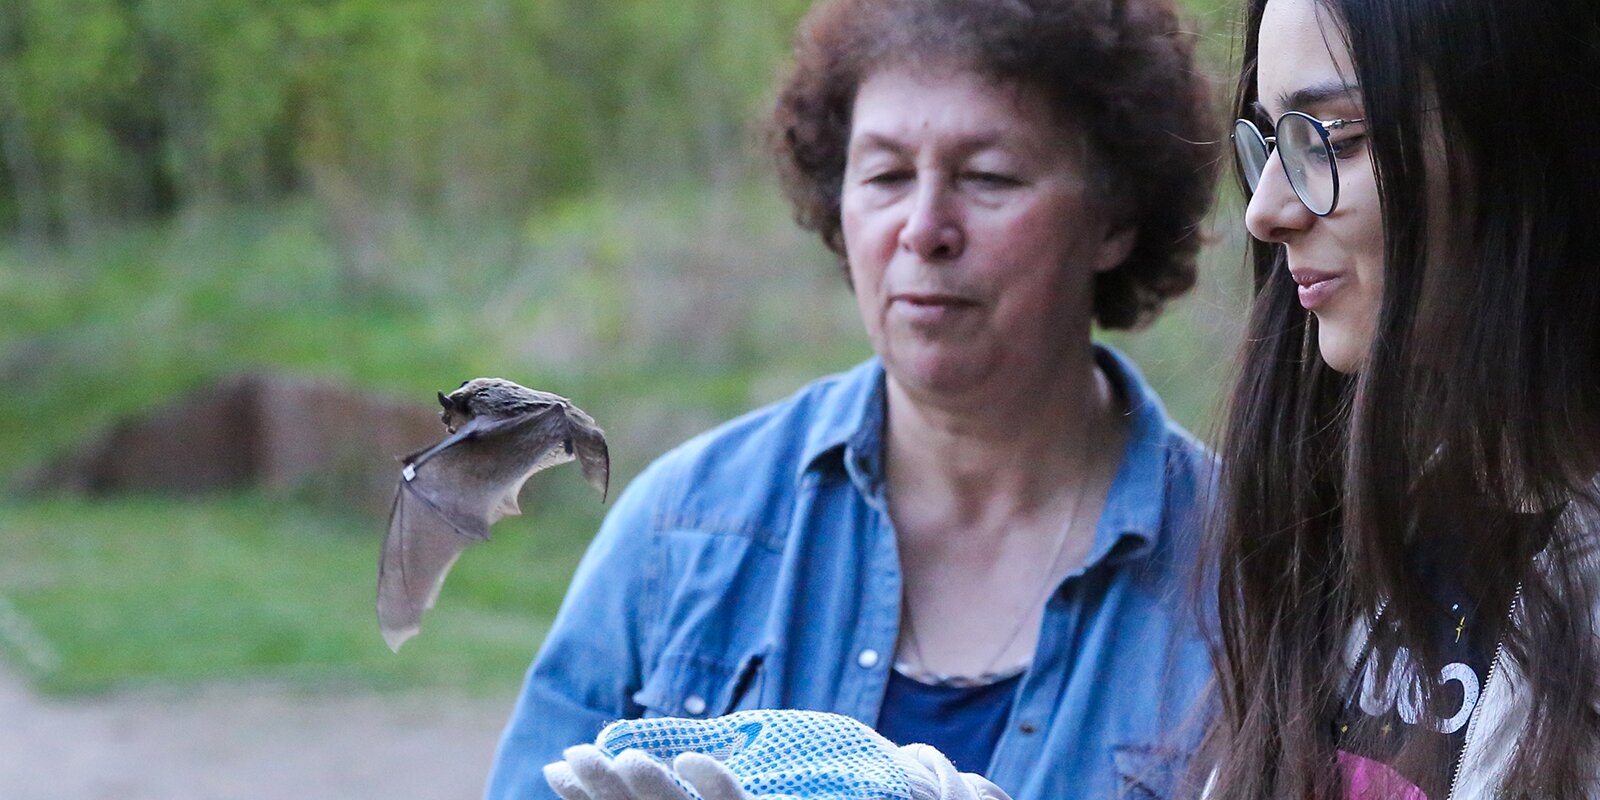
column 1275, row 212
column 932, row 230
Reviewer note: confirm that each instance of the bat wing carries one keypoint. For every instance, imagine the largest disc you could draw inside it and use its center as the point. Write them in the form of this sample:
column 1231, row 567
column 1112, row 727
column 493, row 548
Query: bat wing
column 474, row 476
column 589, row 443
column 418, row 551
column 448, row 496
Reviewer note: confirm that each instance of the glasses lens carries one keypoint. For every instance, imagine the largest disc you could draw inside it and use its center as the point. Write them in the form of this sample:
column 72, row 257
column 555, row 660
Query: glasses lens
column 1304, row 152
column 1251, row 150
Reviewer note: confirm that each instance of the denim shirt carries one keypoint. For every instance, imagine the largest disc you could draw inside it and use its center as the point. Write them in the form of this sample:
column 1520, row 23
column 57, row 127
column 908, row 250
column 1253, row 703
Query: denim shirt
column 755, row 566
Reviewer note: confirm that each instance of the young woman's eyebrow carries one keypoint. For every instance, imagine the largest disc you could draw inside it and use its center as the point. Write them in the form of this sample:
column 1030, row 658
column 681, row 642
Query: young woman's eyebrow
column 1317, row 94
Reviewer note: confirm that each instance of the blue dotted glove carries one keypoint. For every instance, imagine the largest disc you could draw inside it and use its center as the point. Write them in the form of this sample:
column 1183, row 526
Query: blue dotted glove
column 770, row 755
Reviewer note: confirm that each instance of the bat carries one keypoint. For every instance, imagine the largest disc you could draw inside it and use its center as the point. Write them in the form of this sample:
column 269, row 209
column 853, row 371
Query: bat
column 449, row 494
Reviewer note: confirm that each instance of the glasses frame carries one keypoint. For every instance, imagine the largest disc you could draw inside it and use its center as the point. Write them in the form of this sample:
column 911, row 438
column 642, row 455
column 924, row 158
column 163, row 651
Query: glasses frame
column 1269, row 145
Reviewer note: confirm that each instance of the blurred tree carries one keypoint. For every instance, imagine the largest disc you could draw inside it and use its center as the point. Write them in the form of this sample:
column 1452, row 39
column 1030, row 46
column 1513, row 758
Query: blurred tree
column 71, row 142
column 131, row 108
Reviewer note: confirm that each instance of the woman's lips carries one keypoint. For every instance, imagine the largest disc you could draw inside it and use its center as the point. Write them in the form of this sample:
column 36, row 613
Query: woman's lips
column 930, row 308
column 1316, row 287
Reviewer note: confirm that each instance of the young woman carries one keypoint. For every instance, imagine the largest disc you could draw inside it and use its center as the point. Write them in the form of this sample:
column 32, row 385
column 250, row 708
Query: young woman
column 1408, row 494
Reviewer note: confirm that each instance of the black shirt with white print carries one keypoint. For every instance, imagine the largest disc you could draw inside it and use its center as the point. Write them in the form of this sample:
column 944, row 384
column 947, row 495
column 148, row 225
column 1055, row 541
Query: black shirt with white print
column 1381, row 716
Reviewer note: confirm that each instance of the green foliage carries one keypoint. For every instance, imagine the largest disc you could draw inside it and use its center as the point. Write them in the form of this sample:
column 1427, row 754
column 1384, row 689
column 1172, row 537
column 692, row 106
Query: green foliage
column 118, row 109
column 113, row 109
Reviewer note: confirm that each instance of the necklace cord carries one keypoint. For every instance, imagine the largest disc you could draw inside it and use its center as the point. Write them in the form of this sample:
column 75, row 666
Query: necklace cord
column 1050, row 582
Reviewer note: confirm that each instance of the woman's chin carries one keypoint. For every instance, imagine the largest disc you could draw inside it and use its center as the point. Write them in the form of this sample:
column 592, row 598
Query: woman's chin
column 939, row 373
column 1341, row 350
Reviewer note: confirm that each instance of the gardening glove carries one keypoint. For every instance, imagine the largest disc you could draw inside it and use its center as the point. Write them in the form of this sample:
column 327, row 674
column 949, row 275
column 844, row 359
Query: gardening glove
column 588, row 773
column 758, row 755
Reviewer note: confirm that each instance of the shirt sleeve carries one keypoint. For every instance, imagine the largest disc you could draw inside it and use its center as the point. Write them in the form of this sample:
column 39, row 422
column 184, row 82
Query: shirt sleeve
column 589, row 667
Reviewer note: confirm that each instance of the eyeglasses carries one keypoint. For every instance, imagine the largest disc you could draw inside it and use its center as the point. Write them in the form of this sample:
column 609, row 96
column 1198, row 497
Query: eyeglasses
column 1305, row 152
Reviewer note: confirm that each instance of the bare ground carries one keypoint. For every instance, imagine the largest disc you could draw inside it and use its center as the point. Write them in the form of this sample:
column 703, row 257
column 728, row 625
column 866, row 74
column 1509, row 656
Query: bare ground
column 226, row 742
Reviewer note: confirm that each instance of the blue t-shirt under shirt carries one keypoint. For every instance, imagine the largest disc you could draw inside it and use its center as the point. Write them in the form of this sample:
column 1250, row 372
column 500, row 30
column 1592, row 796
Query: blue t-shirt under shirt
column 963, row 722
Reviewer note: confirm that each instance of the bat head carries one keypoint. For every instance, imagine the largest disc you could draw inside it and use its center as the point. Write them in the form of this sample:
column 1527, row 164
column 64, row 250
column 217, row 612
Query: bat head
column 494, row 397
column 455, row 411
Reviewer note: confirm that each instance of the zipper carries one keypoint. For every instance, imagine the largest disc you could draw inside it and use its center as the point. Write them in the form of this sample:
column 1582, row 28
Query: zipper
column 1353, row 681
column 1488, row 682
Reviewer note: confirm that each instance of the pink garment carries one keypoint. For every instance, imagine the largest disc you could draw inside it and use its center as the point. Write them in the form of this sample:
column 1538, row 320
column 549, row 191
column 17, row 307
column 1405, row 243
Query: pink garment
column 1371, row 780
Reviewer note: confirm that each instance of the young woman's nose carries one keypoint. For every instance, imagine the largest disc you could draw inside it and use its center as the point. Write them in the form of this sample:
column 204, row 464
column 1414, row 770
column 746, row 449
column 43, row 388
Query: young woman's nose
column 932, row 230
column 1275, row 212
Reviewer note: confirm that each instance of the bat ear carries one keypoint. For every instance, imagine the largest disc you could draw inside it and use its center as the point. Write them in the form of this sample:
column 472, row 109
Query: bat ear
column 446, row 403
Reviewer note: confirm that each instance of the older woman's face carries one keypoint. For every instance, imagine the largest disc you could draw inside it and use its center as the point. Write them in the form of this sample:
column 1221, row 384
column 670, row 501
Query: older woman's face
column 972, row 229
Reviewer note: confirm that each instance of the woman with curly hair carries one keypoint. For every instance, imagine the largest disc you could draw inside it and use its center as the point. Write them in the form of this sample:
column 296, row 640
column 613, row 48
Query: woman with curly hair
column 981, row 538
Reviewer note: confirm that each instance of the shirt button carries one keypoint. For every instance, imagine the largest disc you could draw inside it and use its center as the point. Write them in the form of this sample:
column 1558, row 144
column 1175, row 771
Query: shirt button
column 1028, row 728
column 694, row 704
column 868, row 658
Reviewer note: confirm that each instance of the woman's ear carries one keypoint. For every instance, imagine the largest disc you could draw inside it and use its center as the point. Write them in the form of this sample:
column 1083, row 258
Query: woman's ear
column 1118, row 244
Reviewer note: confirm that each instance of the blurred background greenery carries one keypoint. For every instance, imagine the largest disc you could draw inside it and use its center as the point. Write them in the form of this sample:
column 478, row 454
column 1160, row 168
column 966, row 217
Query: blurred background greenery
column 398, row 194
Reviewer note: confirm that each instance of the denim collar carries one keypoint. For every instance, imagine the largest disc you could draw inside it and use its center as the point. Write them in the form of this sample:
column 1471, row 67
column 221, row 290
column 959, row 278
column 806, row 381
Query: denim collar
column 849, row 436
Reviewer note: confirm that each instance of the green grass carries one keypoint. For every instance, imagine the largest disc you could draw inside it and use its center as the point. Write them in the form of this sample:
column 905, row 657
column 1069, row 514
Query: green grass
column 618, row 304
column 112, row 593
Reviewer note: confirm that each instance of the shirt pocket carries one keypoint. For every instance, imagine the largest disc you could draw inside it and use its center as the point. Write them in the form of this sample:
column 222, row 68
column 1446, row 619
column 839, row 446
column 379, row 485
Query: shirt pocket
column 1147, row 772
column 700, row 686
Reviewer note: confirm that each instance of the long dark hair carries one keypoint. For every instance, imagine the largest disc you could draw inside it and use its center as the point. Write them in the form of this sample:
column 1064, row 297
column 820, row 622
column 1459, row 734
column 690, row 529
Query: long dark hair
column 1478, row 399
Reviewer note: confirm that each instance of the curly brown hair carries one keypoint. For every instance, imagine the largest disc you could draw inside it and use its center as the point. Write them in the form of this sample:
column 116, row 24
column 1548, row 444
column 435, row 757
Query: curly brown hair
column 1120, row 70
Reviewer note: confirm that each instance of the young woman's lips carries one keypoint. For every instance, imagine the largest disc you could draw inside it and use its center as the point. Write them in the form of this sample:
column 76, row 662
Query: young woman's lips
column 1316, row 288
column 931, row 308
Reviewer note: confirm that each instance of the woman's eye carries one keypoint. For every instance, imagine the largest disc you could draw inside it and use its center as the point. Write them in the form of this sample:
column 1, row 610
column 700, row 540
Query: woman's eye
column 991, row 180
column 1347, row 146
column 892, row 177
column 1315, row 154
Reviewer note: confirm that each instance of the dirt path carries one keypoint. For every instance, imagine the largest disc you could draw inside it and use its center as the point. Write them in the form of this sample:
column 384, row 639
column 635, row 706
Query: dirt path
column 228, row 742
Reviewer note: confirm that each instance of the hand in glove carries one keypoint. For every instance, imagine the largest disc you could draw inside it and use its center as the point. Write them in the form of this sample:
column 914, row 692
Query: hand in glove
column 770, row 755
